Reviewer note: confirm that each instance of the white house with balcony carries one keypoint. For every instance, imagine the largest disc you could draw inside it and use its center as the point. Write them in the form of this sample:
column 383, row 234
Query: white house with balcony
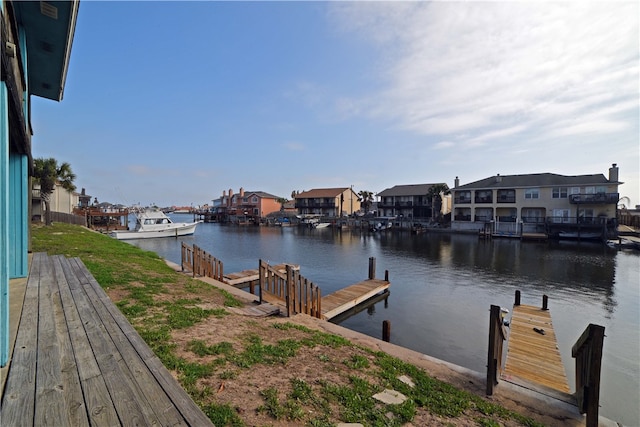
column 556, row 205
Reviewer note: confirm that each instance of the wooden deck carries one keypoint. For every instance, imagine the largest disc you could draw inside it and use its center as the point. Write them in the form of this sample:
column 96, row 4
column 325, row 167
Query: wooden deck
column 347, row 298
column 245, row 278
column 532, row 356
column 77, row 361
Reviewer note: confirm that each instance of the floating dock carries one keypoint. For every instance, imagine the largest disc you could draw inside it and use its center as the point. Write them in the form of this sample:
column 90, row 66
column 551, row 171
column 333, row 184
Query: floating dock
column 532, row 351
column 349, row 297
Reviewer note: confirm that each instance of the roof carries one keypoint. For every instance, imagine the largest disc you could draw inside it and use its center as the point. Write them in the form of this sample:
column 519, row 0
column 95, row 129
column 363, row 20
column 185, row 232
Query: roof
column 408, row 190
column 49, row 28
column 321, row 193
column 536, row 180
column 261, row 194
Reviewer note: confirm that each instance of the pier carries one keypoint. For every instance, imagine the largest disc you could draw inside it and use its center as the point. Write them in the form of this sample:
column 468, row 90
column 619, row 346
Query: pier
column 533, row 360
column 351, row 296
column 532, row 351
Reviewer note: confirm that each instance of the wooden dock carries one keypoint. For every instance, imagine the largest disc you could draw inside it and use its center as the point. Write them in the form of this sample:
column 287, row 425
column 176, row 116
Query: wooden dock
column 532, row 352
column 349, row 297
column 77, row 361
column 246, row 278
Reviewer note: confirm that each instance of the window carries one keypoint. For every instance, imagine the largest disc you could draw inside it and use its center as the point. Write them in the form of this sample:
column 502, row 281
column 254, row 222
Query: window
column 532, row 193
column 254, row 199
column 574, row 190
column 559, row 193
column 590, row 190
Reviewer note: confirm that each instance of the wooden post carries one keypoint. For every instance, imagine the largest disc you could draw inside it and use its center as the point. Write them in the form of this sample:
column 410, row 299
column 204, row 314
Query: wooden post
column 545, row 302
column 494, row 353
column 517, row 302
column 386, row 330
column 588, row 354
column 386, row 275
column 372, row 268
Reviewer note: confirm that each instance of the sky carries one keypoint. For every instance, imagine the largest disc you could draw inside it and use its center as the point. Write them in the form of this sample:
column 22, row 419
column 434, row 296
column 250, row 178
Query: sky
column 172, row 103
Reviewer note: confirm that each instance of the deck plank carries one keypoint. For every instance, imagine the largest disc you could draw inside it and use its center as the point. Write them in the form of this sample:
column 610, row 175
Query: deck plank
column 77, row 360
column 532, row 356
column 349, row 297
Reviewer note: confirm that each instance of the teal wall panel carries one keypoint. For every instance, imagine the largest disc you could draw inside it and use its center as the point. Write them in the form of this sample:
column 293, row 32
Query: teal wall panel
column 18, row 212
column 4, row 225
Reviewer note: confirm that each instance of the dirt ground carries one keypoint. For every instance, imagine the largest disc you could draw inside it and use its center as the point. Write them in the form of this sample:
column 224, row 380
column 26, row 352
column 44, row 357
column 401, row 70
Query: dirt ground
column 242, row 389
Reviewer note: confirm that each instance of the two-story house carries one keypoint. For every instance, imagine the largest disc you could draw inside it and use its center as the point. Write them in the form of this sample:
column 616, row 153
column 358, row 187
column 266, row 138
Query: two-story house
column 328, row 202
column 557, row 205
column 413, row 201
column 245, row 206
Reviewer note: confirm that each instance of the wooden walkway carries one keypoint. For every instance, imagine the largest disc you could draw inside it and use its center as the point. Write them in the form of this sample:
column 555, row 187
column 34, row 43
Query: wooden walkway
column 77, row 361
column 531, row 355
column 349, row 297
column 246, row 278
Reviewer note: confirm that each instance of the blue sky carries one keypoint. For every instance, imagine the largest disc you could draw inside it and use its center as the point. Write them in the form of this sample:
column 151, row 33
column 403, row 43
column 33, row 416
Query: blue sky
column 170, row 103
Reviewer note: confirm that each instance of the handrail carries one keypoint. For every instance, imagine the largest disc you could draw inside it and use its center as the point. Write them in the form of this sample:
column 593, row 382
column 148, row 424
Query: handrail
column 497, row 336
column 588, row 354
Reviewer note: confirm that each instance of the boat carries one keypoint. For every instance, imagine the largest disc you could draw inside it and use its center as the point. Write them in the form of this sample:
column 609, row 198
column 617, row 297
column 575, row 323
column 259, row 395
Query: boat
column 154, row 223
column 579, row 235
column 321, row 224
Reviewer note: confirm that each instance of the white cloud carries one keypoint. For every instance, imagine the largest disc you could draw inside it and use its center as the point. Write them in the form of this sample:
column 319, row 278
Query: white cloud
column 500, row 69
column 293, row 146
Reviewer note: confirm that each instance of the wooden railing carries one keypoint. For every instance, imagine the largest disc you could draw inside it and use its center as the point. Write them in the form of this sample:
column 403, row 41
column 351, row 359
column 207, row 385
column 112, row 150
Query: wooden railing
column 497, row 336
column 291, row 288
column 200, row 263
column 588, row 354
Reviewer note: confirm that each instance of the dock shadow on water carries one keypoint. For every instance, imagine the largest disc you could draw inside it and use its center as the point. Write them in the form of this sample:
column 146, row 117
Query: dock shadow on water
column 443, row 286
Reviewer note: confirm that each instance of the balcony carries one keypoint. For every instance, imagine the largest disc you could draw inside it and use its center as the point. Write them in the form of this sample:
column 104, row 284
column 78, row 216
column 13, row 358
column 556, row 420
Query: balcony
column 484, row 199
column 594, row 199
column 462, row 200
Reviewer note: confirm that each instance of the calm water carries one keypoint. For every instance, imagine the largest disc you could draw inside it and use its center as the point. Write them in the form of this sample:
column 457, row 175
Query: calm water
column 443, row 285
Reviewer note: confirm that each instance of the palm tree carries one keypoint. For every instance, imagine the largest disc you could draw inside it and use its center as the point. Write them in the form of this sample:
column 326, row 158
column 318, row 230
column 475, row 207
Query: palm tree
column 436, row 192
column 366, row 199
column 47, row 173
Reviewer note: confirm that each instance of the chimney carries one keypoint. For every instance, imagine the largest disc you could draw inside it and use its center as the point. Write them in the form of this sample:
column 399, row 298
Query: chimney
column 456, row 183
column 613, row 173
column 224, row 193
column 498, row 178
column 241, row 192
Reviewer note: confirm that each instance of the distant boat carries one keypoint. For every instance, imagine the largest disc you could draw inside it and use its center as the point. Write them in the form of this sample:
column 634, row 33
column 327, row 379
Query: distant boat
column 321, row 224
column 154, row 223
column 579, row 235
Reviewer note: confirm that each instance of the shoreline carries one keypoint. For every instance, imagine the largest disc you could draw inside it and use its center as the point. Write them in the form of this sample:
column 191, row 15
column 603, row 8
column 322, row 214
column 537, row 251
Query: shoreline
column 548, row 410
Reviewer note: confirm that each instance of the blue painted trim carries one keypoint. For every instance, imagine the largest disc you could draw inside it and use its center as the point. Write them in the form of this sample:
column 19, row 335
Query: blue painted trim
column 4, row 225
column 18, row 216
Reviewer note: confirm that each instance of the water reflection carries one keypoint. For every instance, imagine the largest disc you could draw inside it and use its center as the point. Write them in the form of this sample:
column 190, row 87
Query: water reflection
column 442, row 286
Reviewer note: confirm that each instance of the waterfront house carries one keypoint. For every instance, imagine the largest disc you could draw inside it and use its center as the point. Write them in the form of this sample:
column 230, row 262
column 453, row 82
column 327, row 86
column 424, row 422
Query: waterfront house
column 543, row 203
column 60, row 200
column 34, row 56
column 413, row 201
column 328, row 202
column 245, row 206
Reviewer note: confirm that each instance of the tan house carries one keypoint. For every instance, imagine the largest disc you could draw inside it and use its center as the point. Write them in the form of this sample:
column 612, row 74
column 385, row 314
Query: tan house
column 60, row 200
column 556, row 205
column 328, row 202
column 247, row 206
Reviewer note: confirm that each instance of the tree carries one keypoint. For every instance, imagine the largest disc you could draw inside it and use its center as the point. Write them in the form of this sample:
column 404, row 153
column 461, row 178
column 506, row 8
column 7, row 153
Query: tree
column 436, row 192
column 366, row 199
column 47, row 173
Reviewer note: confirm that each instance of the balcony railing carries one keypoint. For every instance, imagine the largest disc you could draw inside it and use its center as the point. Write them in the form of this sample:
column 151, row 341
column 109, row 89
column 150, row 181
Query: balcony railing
column 597, row 198
column 577, row 220
column 484, row 199
column 506, row 198
column 462, row 200
column 462, row 218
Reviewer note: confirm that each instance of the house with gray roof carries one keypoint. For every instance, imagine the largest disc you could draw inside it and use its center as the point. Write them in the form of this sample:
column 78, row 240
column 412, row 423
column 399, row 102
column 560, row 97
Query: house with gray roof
column 551, row 204
column 413, row 201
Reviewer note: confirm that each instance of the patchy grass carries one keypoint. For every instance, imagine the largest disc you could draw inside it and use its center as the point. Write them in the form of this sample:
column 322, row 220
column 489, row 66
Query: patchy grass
column 243, row 371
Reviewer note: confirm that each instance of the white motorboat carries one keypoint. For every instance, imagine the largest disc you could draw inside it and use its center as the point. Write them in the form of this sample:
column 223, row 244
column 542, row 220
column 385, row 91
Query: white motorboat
column 321, row 224
column 154, row 223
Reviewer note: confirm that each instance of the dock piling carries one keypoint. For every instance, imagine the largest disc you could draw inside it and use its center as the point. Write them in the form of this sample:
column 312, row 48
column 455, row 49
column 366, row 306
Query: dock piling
column 386, row 330
column 372, row 268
